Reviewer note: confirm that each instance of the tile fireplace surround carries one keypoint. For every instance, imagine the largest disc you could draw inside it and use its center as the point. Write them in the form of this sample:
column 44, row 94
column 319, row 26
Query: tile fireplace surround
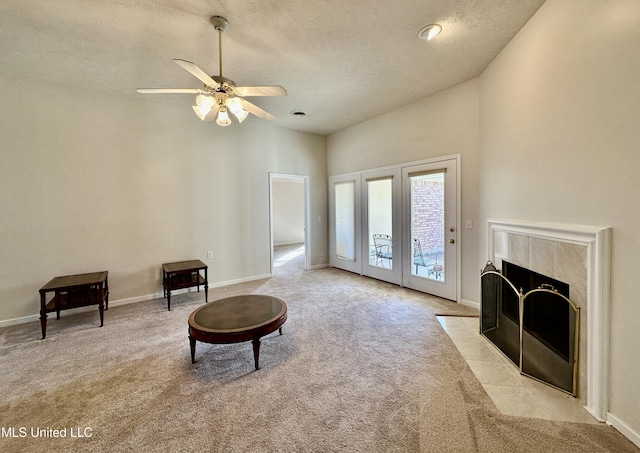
column 578, row 255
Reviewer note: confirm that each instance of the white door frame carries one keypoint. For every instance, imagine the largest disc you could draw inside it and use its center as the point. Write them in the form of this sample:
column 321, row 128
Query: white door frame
column 307, row 237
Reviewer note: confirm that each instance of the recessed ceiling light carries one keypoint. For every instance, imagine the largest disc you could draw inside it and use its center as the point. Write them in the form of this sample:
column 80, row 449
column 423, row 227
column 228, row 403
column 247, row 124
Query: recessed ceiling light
column 298, row 113
column 429, row 32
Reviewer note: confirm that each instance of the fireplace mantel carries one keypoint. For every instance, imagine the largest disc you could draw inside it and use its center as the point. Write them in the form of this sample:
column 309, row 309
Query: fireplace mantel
column 550, row 249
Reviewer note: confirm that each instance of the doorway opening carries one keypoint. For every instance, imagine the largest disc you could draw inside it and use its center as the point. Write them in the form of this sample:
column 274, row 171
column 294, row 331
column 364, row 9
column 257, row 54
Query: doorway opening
column 289, row 221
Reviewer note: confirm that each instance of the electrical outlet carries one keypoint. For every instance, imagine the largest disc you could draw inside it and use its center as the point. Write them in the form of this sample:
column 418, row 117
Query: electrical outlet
column 210, row 255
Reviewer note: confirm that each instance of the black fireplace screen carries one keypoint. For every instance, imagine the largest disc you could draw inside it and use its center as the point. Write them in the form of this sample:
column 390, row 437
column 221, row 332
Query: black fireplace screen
column 500, row 314
column 535, row 327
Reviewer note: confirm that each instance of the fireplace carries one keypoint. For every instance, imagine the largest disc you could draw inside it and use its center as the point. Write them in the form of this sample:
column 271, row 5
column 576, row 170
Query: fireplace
column 530, row 318
column 579, row 256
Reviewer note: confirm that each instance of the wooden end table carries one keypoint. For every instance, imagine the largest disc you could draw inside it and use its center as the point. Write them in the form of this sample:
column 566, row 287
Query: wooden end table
column 184, row 274
column 235, row 320
column 73, row 291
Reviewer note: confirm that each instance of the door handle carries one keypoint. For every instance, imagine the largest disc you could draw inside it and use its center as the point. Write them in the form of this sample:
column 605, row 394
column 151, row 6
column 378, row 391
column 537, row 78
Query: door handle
column 452, row 241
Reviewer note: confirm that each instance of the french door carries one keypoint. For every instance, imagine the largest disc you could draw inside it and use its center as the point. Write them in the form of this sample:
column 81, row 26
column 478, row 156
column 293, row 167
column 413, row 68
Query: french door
column 431, row 228
column 382, row 225
column 345, row 223
column 399, row 224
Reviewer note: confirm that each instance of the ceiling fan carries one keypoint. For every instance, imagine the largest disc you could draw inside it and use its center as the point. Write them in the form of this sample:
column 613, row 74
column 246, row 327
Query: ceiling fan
column 220, row 95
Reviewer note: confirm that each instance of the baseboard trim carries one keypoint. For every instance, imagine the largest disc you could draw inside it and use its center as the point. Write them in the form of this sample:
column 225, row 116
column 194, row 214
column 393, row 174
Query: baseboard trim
column 131, row 300
column 319, row 266
column 469, row 303
column 623, row 428
column 240, row 280
column 17, row 321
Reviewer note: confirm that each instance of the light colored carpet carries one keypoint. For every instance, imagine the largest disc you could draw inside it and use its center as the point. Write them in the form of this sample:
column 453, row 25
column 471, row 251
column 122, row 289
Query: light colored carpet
column 363, row 366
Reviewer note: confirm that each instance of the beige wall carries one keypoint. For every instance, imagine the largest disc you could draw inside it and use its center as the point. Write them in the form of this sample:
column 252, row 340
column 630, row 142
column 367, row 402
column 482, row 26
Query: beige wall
column 548, row 133
column 560, row 111
column 95, row 182
column 443, row 124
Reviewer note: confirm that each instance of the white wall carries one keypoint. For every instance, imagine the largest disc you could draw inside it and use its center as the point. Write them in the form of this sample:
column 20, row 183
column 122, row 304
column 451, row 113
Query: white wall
column 287, row 195
column 443, row 124
column 560, row 135
column 124, row 185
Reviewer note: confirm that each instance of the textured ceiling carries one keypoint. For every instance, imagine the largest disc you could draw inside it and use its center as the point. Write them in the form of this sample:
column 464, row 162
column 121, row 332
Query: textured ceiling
column 341, row 61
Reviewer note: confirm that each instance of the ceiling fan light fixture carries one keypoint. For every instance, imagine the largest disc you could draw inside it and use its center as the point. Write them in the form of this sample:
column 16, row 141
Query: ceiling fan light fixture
column 429, row 32
column 197, row 110
column 204, row 104
column 223, row 116
column 236, row 107
column 210, row 116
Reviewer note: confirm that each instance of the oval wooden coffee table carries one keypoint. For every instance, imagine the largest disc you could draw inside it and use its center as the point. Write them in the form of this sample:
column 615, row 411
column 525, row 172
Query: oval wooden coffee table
column 235, row 320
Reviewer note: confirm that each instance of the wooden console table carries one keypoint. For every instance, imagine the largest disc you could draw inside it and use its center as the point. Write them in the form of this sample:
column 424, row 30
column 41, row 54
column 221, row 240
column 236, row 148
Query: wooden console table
column 73, row 291
column 184, row 274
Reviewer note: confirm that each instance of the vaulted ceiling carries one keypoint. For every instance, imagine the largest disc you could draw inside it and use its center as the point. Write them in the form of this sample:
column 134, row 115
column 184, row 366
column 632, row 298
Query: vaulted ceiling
column 341, row 61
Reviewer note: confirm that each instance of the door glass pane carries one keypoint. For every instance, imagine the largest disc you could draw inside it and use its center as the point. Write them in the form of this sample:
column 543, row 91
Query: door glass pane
column 427, row 224
column 379, row 208
column 345, row 197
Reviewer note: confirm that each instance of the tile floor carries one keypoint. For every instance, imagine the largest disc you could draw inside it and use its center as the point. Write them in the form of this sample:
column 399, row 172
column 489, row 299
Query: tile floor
column 512, row 393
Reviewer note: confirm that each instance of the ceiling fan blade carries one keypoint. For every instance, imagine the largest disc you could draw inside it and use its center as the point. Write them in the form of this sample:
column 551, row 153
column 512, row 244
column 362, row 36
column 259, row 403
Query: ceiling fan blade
column 169, row 90
column 257, row 111
column 197, row 72
column 267, row 90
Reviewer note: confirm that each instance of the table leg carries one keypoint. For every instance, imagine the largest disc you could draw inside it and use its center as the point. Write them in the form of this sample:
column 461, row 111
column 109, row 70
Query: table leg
column 280, row 330
column 256, row 351
column 169, row 298
column 206, row 286
column 43, row 315
column 101, row 305
column 192, row 344
column 106, row 293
